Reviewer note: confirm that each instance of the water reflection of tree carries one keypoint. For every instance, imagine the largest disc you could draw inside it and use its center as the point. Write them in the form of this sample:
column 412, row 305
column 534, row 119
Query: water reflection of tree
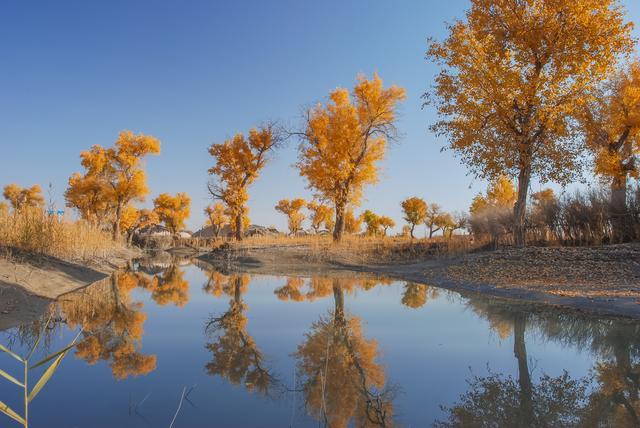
column 341, row 380
column 112, row 325
column 416, row 295
column 235, row 354
column 501, row 401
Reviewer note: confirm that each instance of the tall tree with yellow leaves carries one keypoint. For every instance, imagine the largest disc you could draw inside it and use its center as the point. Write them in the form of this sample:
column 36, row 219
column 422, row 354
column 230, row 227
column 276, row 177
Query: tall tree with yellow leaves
column 114, row 177
column 216, row 217
column 500, row 194
column 344, row 140
column 238, row 164
column 612, row 129
column 173, row 210
column 415, row 212
column 321, row 214
column 386, row 223
column 512, row 76
column 20, row 197
column 292, row 210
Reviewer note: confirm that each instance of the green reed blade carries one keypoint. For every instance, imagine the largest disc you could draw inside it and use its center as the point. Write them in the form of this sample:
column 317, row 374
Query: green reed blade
column 10, row 378
column 14, row 355
column 51, row 357
column 9, row 412
column 45, row 377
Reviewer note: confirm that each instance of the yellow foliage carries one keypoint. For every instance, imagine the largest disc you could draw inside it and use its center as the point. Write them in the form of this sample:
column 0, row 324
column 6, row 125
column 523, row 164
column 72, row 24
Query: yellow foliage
column 216, row 217
column 20, row 197
column 114, row 178
column 351, row 222
column 513, row 75
column 344, row 140
column 173, row 210
column 500, row 194
column 238, row 163
column 415, row 212
column 321, row 214
column 292, row 210
column 386, row 223
column 612, row 126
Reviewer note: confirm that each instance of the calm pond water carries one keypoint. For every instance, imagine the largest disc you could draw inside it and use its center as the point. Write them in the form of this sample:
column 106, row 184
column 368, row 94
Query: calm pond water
column 185, row 344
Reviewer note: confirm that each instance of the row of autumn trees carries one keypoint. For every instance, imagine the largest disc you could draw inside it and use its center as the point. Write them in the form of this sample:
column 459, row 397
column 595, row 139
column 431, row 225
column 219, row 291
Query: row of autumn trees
column 114, row 180
column 341, row 145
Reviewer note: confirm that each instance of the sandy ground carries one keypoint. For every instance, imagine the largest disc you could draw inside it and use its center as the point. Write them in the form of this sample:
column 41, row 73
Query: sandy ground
column 603, row 280
column 28, row 283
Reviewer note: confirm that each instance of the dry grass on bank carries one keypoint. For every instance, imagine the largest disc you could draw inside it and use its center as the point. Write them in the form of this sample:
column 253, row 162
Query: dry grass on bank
column 361, row 249
column 32, row 230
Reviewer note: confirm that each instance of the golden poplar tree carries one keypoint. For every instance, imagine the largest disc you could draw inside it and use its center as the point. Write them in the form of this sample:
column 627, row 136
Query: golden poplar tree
column 501, row 194
column 415, row 212
column 238, row 164
column 20, row 197
column 512, row 75
column 372, row 221
column 114, row 178
column 612, row 128
column 321, row 214
column 292, row 210
column 386, row 223
column 344, row 140
column 216, row 217
column 173, row 210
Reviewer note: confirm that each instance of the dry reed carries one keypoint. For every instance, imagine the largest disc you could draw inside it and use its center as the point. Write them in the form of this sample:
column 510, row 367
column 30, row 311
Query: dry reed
column 32, row 230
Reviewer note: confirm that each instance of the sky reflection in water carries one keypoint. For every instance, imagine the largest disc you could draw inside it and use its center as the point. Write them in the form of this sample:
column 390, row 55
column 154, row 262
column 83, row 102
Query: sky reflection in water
column 262, row 351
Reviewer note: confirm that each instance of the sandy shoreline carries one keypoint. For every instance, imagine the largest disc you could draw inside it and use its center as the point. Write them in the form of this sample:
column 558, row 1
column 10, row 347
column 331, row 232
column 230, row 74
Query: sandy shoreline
column 597, row 280
column 561, row 277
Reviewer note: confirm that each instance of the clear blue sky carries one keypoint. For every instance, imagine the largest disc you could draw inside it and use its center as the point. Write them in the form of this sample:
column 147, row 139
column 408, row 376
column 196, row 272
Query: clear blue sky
column 75, row 73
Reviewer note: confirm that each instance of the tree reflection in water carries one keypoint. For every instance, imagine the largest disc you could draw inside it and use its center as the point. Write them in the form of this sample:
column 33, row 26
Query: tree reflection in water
column 340, row 378
column 113, row 324
column 608, row 398
column 235, row 354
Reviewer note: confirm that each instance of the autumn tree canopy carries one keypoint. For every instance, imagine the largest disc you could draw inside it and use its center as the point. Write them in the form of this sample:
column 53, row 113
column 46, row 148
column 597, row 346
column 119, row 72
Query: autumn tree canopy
column 216, row 217
column 20, row 197
column 344, row 140
column 291, row 208
column 173, row 210
column 415, row 212
column 611, row 125
column 500, row 195
column 238, row 164
column 320, row 214
column 512, row 76
column 114, row 177
column 386, row 223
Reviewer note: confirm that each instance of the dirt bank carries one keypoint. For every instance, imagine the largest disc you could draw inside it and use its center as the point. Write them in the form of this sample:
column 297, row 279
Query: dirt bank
column 29, row 282
column 603, row 280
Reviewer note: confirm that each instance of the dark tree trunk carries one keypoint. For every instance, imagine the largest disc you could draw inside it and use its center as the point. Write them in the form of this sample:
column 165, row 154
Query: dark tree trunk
column 116, row 223
column 413, row 226
column 618, row 209
column 520, row 208
column 239, row 225
column 338, row 297
column 524, row 378
column 338, row 229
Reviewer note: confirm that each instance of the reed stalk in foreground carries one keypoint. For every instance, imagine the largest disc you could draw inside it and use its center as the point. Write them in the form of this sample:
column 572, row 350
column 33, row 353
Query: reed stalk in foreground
column 29, row 395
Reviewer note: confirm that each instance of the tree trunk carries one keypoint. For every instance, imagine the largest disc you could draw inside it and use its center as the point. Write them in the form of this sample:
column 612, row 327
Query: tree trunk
column 413, row 226
column 618, row 210
column 338, row 229
column 338, row 300
column 239, row 225
column 524, row 378
column 520, row 208
column 116, row 223
column 431, row 232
